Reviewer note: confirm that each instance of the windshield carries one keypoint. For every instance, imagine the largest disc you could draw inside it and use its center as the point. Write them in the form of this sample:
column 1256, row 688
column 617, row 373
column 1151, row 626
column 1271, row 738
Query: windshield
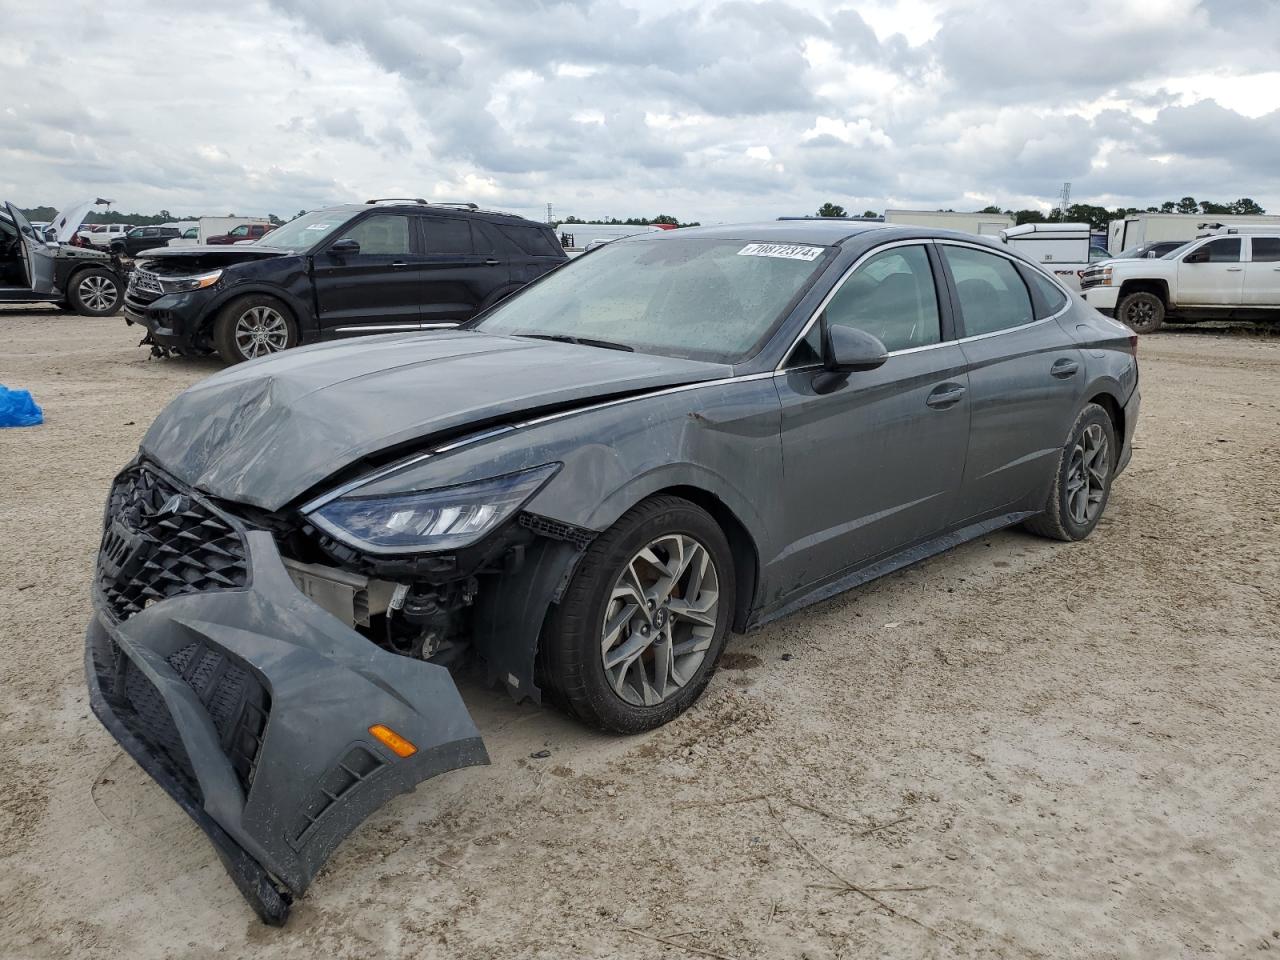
column 702, row 299
column 306, row 231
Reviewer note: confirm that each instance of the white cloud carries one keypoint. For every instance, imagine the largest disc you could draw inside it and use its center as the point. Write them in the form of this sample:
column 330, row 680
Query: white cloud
column 729, row 109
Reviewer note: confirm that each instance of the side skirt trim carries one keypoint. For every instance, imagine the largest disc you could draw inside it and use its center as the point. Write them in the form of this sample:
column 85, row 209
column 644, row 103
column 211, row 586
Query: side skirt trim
column 890, row 564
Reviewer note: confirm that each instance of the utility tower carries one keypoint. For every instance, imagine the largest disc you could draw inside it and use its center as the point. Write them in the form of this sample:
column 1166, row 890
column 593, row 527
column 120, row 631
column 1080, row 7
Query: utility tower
column 549, row 220
column 1066, row 200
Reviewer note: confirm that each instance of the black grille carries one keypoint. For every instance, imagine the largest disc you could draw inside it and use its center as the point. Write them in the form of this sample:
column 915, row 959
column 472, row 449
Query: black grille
column 236, row 700
column 138, row 705
column 162, row 542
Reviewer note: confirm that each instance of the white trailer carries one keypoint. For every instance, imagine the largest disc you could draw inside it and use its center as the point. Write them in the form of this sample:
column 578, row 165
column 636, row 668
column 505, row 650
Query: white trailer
column 983, row 224
column 1143, row 228
column 1064, row 249
column 594, row 234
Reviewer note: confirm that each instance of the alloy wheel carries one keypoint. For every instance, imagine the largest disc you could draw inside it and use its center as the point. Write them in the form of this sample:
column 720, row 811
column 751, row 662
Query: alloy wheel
column 1087, row 474
column 1140, row 313
column 97, row 293
column 660, row 620
column 260, row 331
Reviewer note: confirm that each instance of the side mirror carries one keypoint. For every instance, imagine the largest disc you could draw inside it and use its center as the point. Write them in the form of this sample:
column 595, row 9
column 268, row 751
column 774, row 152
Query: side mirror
column 1197, row 256
column 346, row 247
column 848, row 350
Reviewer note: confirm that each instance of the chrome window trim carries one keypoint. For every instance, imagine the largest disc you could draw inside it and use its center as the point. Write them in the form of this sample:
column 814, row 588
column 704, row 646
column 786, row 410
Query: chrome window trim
column 781, row 368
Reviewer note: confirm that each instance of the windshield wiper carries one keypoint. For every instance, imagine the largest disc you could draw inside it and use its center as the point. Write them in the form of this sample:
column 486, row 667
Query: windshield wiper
column 580, row 341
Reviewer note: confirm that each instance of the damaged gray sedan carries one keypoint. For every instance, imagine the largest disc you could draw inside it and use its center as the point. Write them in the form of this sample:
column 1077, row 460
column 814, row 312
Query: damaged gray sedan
column 584, row 491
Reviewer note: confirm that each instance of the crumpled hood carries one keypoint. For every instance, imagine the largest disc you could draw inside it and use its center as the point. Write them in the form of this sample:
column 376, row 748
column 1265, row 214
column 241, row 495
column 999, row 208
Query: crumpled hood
column 265, row 432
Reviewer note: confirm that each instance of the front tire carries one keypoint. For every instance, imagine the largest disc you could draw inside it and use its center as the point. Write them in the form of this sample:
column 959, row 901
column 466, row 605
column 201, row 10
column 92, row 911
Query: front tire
column 1082, row 482
column 253, row 326
column 636, row 638
column 1141, row 312
column 94, row 292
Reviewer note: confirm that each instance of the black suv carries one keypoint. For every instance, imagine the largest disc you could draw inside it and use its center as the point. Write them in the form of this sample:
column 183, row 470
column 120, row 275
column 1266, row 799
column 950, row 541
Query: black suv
column 376, row 267
column 143, row 238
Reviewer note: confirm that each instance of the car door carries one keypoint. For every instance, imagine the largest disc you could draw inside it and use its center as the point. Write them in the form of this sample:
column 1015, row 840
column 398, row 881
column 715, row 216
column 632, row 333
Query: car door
column 457, row 273
column 38, row 258
column 374, row 289
column 872, row 461
column 1262, row 273
column 1212, row 274
column 1026, row 378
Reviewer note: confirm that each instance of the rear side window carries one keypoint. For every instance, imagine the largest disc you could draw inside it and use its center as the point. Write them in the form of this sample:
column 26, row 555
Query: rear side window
column 991, row 292
column 532, row 240
column 1049, row 298
column 489, row 240
column 445, row 235
column 1266, row 249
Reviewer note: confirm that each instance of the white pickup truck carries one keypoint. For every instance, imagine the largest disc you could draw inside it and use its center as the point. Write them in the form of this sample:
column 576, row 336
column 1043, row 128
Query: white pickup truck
column 1232, row 273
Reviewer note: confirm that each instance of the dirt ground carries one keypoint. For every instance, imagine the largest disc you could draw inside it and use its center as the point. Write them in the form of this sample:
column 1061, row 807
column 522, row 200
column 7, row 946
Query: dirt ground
column 1018, row 749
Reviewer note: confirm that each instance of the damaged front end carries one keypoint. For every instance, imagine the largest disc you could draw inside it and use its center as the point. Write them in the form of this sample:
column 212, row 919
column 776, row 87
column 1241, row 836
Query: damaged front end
column 282, row 678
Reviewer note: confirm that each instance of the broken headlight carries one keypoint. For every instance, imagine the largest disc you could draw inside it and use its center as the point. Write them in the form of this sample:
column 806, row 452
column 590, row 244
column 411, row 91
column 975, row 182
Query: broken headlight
column 447, row 518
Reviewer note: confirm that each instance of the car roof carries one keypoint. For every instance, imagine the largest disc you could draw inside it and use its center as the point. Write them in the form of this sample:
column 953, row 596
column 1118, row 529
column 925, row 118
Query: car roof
column 828, row 232
column 410, row 206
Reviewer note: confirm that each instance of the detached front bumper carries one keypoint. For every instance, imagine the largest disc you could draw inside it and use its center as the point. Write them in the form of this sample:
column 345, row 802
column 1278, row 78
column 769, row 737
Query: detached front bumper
column 172, row 319
column 250, row 704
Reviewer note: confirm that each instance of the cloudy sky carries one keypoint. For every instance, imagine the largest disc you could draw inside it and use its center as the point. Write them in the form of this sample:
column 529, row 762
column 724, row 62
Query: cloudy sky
column 708, row 110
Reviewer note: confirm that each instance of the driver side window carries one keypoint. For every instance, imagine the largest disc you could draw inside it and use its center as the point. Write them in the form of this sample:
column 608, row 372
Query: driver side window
column 383, row 235
column 891, row 297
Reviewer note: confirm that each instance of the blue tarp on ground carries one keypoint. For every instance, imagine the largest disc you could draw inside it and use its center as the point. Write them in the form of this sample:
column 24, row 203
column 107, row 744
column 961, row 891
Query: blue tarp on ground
column 18, row 408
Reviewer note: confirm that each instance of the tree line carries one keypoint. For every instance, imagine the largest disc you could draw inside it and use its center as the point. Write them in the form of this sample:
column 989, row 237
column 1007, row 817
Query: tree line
column 46, row 215
column 1097, row 217
column 635, row 221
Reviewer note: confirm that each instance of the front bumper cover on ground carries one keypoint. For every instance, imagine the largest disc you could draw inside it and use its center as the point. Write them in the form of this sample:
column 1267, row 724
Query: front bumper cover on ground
column 252, row 706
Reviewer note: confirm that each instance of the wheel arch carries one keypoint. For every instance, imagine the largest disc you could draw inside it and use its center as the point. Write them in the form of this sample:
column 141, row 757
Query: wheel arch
column 1158, row 287
column 746, row 556
column 1115, row 410
column 301, row 314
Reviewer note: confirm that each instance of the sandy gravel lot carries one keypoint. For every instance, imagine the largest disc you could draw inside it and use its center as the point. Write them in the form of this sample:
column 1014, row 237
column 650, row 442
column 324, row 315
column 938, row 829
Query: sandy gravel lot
column 1019, row 749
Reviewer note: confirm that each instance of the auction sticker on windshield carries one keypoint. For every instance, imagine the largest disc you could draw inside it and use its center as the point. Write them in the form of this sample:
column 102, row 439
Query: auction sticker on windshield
column 787, row 251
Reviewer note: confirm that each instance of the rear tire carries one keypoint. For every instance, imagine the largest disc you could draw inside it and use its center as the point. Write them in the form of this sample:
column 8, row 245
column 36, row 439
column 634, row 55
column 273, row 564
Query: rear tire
column 1082, row 481
column 253, row 326
column 94, row 292
column 1141, row 312
column 675, row 636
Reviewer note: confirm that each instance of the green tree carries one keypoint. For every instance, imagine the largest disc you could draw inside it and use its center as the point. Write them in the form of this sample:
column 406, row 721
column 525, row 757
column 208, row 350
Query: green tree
column 870, row 213
column 991, row 209
column 1028, row 216
column 1188, row 205
column 831, row 210
column 1245, row 205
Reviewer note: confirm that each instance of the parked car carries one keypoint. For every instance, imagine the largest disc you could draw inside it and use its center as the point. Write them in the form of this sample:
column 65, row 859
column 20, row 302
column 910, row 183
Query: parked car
column 1231, row 274
column 143, row 238
column 246, row 231
column 104, row 234
column 345, row 271
column 589, row 486
column 36, row 269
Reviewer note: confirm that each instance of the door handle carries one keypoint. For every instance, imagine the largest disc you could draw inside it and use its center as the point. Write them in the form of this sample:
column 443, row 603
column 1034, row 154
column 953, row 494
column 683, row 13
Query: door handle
column 1234, row 269
column 1064, row 369
column 398, row 263
column 491, row 262
column 945, row 395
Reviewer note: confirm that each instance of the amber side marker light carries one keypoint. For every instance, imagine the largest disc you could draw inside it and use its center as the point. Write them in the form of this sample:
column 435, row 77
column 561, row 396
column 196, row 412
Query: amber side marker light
column 393, row 741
